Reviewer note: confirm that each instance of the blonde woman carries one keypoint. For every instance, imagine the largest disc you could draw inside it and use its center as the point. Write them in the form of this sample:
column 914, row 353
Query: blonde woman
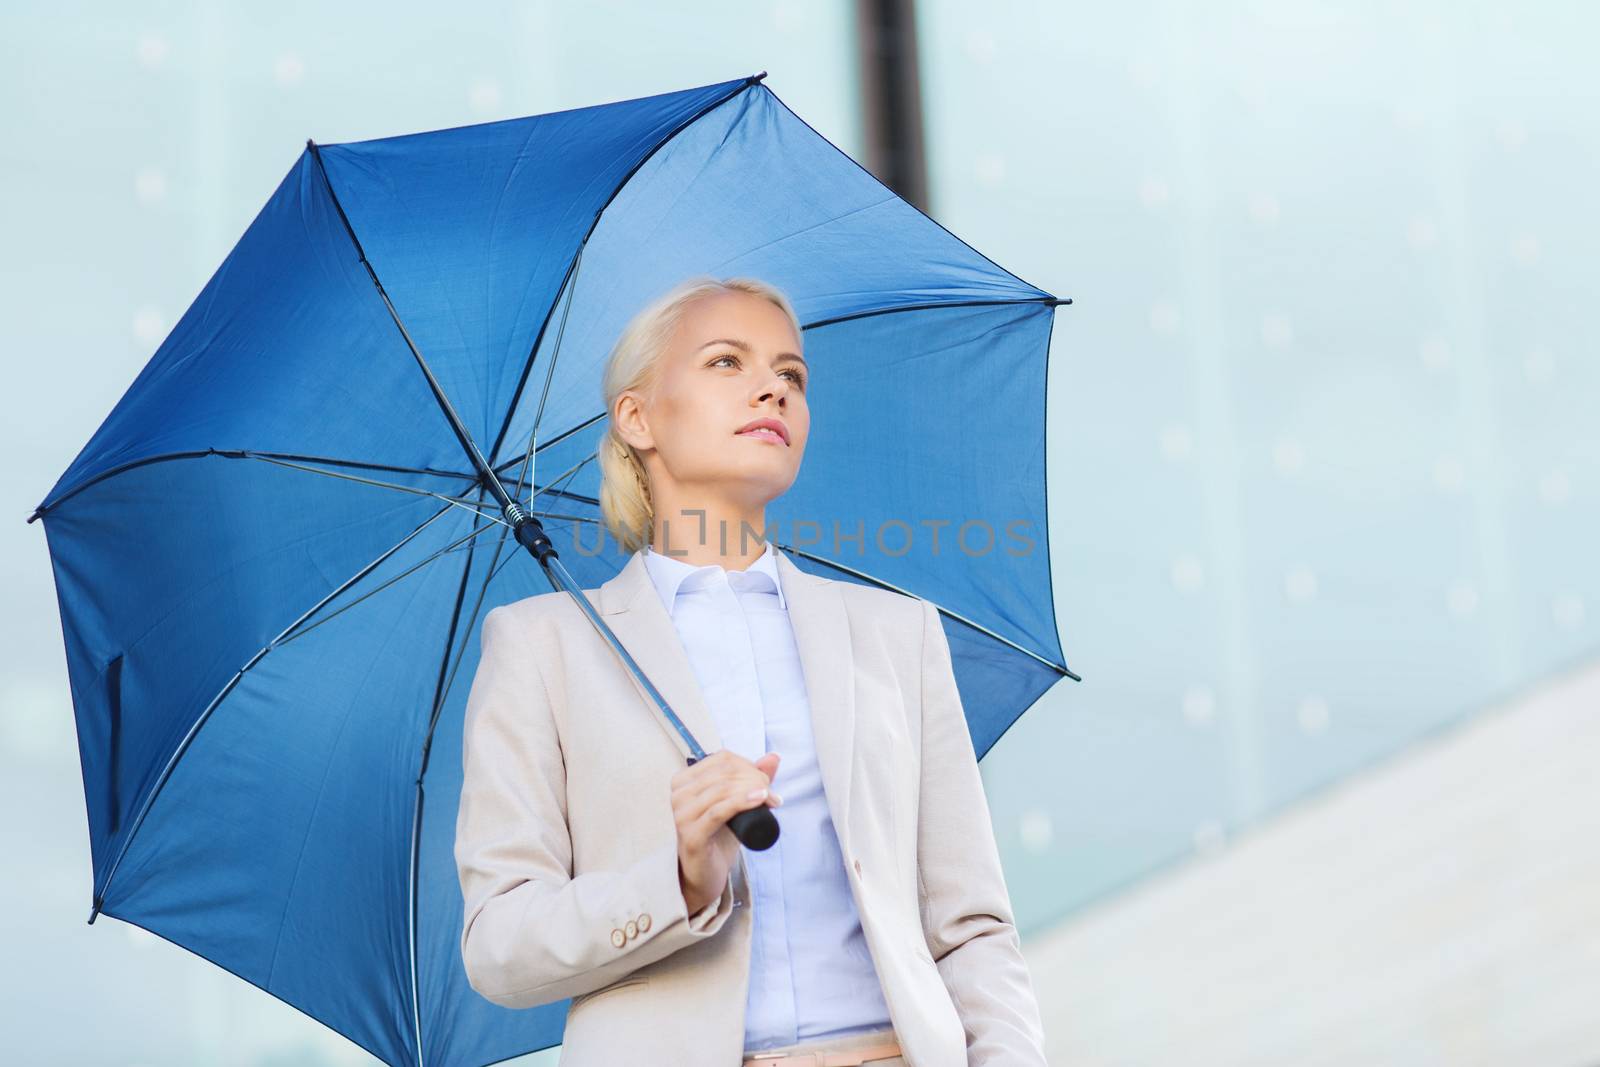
column 595, row 865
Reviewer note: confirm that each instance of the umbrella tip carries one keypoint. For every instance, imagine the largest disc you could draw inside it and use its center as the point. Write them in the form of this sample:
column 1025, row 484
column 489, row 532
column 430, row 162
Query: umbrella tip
column 38, row 513
column 1057, row 301
column 755, row 78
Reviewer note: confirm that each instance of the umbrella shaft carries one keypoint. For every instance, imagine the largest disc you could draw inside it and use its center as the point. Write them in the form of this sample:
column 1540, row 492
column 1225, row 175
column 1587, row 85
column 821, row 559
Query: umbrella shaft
column 531, row 535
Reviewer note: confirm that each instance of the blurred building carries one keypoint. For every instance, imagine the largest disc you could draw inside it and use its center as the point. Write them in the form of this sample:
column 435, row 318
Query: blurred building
column 1324, row 459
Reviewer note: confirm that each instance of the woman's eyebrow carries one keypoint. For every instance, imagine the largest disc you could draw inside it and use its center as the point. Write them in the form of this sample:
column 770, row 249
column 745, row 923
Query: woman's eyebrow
column 745, row 347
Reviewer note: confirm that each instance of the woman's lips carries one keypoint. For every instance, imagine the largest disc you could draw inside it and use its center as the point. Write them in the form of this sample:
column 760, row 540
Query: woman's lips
column 763, row 434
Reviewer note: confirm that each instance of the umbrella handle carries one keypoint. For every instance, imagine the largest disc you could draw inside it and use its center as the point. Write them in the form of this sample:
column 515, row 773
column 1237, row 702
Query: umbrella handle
column 756, row 828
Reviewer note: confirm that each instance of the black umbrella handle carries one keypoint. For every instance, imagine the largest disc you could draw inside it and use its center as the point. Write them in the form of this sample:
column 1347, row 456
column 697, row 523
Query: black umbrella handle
column 756, row 828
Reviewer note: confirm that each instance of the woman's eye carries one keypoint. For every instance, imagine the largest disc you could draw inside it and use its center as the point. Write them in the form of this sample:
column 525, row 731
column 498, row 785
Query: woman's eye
column 795, row 376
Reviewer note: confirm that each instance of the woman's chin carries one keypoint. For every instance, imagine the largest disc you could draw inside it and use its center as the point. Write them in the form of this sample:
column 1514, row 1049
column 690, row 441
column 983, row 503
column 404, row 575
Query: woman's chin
column 760, row 480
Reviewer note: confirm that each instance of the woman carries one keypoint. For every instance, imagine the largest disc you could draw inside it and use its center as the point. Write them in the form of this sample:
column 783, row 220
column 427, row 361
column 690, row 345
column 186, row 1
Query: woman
column 596, row 865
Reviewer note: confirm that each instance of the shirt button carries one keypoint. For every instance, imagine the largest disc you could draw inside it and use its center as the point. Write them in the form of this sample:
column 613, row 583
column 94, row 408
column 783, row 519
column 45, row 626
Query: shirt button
column 858, row 868
column 644, row 922
column 618, row 938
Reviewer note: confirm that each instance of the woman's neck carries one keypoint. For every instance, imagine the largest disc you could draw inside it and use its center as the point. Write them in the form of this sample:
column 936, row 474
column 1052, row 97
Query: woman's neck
column 703, row 532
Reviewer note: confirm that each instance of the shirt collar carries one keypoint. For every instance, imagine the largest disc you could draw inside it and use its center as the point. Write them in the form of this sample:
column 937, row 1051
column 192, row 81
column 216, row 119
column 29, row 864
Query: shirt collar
column 672, row 575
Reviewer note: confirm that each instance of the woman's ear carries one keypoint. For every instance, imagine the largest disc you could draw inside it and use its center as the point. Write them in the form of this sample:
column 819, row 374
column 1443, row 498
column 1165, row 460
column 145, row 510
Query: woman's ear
column 628, row 418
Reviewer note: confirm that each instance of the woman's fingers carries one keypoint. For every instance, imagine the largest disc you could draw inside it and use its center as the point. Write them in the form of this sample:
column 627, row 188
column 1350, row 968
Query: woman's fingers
column 720, row 776
column 696, row 795
column 715, row 818
column 720, row 800
column 705, row 795
column 700, row 813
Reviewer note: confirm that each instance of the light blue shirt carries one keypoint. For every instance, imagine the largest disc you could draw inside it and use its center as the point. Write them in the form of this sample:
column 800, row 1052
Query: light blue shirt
column 811, row 974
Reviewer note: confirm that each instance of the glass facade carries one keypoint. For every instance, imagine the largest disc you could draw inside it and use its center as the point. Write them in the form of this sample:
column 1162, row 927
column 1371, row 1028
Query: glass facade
column 1325, row 457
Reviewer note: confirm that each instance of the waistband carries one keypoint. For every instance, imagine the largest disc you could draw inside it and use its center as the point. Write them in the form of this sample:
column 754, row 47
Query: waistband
column 847, row 1051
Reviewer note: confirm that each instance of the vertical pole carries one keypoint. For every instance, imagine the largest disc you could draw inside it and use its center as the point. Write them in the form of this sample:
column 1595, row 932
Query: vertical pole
column 891, row 97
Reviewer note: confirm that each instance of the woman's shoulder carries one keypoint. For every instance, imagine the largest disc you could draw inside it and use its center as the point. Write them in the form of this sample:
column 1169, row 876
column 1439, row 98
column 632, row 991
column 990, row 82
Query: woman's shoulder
column 891, row 606
column 555, row 605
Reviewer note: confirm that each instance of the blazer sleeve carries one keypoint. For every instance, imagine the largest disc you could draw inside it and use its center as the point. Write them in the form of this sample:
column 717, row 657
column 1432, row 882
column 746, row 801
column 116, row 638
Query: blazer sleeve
column 532, row 933
column 966, row 910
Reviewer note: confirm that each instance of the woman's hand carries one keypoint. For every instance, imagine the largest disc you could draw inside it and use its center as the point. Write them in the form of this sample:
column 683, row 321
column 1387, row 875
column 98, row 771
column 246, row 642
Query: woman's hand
column 704, row 797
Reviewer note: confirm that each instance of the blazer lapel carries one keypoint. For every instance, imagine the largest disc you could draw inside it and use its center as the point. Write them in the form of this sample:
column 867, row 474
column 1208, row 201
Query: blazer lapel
column 630, row 606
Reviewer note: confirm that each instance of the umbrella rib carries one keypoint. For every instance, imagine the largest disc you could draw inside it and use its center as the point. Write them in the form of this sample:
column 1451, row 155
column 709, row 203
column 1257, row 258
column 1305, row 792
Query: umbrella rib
column 250, row 453
column 440, row 697
column 188, row 738
column 233, row 453
column 918, row 210
column 486, row 473
column 527, row 367
column 564, row 476
column 564, row 517
column 549, row 374
column 446, row 408
column 459, row 502
column 286, row 637
column 558, row 488
column 564, row 434
column 454, row 501
column 483, row 590
column 441, row 687
column 1059, row 668
column 568, row 495
column 936, row 305
column 448, row 681
column 557, row 439
column 411, row 922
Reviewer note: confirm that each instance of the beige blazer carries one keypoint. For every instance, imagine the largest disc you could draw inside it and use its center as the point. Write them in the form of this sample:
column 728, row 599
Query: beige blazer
column 568, row 856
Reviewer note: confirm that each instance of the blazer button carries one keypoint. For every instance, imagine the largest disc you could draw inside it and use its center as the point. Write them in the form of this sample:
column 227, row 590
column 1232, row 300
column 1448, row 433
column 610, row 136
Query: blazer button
column 644, row 922
column 858, row 868
column 619, row 938
column 632, row 929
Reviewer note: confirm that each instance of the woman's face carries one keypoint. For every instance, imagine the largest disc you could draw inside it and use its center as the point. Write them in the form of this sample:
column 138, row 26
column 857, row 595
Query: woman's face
column 733, row 360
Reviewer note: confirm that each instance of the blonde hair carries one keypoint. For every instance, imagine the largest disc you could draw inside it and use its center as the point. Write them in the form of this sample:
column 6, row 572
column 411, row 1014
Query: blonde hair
column 635, row 363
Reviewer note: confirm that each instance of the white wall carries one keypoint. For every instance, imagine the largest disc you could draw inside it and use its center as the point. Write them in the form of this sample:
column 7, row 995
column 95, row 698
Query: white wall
column 1443, row 908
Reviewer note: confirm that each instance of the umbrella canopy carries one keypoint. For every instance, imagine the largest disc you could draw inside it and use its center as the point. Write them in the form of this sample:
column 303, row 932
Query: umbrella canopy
column 273, row 558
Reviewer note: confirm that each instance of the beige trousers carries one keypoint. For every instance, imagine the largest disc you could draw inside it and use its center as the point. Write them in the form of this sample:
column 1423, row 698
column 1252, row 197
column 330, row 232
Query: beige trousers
column 822, row 1045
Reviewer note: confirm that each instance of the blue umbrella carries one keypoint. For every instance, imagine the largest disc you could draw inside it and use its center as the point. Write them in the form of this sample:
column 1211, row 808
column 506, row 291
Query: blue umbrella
column 273, row 558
